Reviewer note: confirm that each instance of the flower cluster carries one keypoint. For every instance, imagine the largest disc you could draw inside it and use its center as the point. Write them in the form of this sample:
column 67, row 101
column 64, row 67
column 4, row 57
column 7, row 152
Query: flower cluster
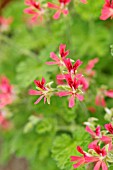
column 35, row 9
column 6, row 98
column 69, row 81
column 38, row 10
column 61, row 8
column 99, row 151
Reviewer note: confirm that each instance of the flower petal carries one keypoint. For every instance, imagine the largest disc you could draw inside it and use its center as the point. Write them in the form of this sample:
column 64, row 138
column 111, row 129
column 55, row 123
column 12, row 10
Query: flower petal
column 54, row 56
column 97, row 166
column 109, row 93
column 53, row 6
column 80, row 97
column 90, row 131
column 39, row 99
column 104, row 166
column 57, row 14
column 75, row 158
column 34, row 92
column 71, row 101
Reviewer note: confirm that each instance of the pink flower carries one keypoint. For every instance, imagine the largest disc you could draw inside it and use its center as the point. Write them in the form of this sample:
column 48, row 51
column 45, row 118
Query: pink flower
column 109, row 128
column 85, row 83
column 5, row 23
column 83, row 1
column 97, row 136
column 59, row 60
column 35, row 10
column 80, row 160
column 61, row 8
column 99, row 100
column 107, row 10
column 72, row 90
column 6, row 92
column 90, row 66
column 72, row 68
column 99, row 158
column 44, row 91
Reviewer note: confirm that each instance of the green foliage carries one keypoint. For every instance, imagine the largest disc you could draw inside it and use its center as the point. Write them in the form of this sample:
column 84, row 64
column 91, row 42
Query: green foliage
column 64, row 146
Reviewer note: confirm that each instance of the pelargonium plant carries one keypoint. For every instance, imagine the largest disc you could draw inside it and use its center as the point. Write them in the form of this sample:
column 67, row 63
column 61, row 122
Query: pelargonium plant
column 61, row 8
column 69, row 81
column 99, row 151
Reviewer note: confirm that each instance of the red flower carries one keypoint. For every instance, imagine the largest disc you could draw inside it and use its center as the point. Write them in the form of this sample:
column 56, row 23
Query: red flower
column 61, row 8
column 100, row 101
column 80, row 160
column 97, row 136
column 43, row 90
column 59, row 60
column 72, row 90
column 109, row 128
column 99, row 158
column 107, row 10
column 35, row 10
column 72, row 68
